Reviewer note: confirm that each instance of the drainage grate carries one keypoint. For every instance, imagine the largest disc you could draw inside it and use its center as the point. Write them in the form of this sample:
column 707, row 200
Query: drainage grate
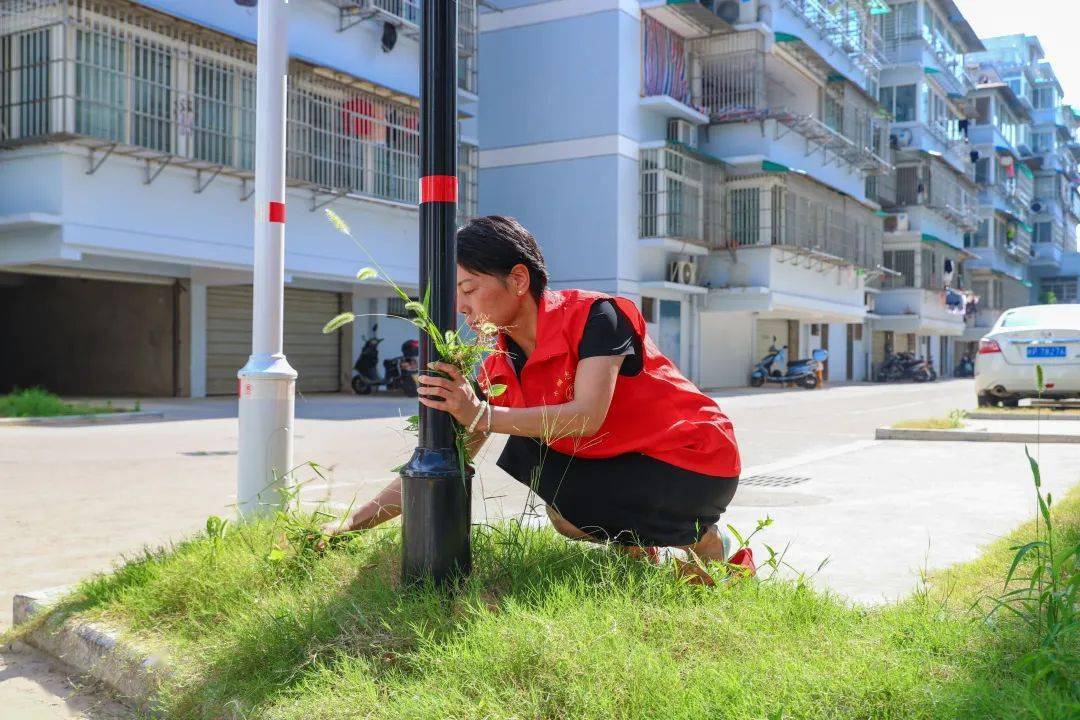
column 773, row 480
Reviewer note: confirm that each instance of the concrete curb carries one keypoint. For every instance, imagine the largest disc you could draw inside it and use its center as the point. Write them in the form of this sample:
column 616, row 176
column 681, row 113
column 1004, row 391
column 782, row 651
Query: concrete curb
column 92, row 419
column 885, row 433
column 91, row 649
column 1048, row 415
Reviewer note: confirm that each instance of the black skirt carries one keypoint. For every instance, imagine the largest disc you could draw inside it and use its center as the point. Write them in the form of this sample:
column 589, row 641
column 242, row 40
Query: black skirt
column 630, row 499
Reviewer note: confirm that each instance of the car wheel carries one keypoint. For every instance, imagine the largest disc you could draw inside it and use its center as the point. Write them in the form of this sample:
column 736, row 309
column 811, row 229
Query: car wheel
column 983, row 400
column 1010, row 403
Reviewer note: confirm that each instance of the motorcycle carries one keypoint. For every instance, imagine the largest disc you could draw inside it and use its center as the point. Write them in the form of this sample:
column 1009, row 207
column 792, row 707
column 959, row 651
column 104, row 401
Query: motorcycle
column 905, row 366
column 399, row 373
column 775, row 368
column 965, row 368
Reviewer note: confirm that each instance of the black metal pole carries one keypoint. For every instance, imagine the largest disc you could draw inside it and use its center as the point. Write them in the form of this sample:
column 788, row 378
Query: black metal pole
column 435, row 493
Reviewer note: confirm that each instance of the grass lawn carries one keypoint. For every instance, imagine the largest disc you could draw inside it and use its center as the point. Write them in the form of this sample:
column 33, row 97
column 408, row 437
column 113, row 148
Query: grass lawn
column 1031, row 411
column 930, row 424
column 261, row 626
column 36, row 402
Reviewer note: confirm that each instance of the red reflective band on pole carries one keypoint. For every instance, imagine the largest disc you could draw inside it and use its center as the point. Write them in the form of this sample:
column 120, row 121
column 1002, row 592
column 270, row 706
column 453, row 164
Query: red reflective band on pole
column 438, row 188
column 277, row 212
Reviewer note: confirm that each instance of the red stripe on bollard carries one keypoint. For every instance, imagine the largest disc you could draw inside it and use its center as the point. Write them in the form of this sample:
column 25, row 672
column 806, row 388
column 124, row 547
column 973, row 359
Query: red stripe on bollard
column 277, row 212
column 438, row 188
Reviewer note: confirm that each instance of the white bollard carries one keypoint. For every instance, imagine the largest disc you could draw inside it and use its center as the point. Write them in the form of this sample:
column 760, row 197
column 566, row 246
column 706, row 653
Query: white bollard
column 267, row 384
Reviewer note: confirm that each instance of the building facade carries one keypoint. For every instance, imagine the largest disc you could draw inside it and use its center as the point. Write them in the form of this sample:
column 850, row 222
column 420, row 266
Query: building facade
column 126, row 152
column 709, row 161
column 1026, row 240
column 931, row 197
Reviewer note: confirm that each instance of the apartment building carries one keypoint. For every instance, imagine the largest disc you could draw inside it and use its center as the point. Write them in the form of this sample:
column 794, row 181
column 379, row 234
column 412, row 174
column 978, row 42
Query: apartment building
column 707, row 159
column 931, row 197
column 126, row 151
column 1027, row 174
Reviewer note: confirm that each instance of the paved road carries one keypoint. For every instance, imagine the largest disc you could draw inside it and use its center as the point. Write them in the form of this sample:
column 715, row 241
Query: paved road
column 76, row 498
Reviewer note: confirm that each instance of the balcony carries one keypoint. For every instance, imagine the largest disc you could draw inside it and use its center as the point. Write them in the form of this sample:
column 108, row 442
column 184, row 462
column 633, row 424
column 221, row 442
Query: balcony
column 918, row 311
column 680, row 199
column 931, row 184
column 406, row 16
column 1047, row 254
column 810, row 220
column 118, row 79
column 665, row 83
column 736, row 81
column 848, row 26
column 929, row 52
column 1017, row 244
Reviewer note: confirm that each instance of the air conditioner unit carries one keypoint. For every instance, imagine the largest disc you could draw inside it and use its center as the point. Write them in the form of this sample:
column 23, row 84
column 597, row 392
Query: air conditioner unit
column 726, row 10
column 683, row 272
column 897, row 223
column 682, row 132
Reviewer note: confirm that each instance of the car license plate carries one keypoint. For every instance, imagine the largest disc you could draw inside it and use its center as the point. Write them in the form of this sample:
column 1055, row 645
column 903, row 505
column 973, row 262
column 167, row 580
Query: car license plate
column 1046, row 351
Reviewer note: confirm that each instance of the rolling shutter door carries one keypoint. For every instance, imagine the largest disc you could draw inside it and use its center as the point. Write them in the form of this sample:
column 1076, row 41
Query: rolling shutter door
column 315, row 356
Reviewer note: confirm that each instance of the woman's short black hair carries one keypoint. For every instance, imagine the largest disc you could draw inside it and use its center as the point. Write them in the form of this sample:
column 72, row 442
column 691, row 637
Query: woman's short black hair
column 494, row 244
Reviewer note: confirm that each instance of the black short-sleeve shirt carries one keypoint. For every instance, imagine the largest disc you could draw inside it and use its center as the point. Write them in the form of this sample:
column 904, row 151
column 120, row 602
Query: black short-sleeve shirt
column 608, row 332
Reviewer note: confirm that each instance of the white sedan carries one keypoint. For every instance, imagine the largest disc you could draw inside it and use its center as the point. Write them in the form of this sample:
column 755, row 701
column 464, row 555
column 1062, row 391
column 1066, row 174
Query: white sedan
column 1023, row 337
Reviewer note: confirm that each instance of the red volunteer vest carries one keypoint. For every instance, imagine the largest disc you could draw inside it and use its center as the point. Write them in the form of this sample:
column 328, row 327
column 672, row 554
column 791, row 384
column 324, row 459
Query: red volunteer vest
column 657, row 412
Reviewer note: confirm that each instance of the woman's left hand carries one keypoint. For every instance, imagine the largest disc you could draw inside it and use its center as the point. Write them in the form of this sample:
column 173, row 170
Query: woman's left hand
column 454, row 395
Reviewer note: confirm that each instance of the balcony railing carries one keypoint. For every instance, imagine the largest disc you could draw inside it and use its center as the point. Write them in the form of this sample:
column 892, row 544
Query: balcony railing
column 734, row 84
column 907, row 48
column 931, row 184
column 847, row 25
column 406, row 16
column 120, row 78
column 680, row 196
column 797, row 214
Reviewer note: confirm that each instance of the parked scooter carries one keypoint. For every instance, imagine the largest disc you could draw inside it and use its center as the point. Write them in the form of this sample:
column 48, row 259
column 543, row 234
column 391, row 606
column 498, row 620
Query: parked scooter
column 965, row 368
column 775, row 368
column 905, row 366
column 399, row 373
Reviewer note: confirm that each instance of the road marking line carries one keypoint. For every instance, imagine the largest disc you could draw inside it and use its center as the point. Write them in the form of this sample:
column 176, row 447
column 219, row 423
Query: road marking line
column 806, row 458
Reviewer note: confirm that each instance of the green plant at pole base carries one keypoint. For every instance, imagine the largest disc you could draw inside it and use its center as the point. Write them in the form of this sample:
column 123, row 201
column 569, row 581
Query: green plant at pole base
column 453, row 347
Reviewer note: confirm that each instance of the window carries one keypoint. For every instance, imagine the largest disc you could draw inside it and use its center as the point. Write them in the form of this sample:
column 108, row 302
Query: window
column 905, row 103
column 1043, row 232
column 1045, row 98
column 981, row 237
column 151, row 97
column 900, row 101
column 903, row 262
column 982, row 171
column 25, row 71
column 213, row 113
column 648, row 308
column 100, row 86
column 900, row 24
column 983, row 114
column 927, row 275
column 1064, row 288
column 832, row 113
column 1043, row 142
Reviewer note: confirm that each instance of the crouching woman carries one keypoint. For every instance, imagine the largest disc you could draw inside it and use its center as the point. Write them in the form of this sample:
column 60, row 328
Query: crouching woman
column 602, row 426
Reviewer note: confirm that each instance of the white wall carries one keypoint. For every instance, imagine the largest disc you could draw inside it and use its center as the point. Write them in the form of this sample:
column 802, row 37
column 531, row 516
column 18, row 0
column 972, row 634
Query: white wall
column 726, row 345
column 114, row 213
